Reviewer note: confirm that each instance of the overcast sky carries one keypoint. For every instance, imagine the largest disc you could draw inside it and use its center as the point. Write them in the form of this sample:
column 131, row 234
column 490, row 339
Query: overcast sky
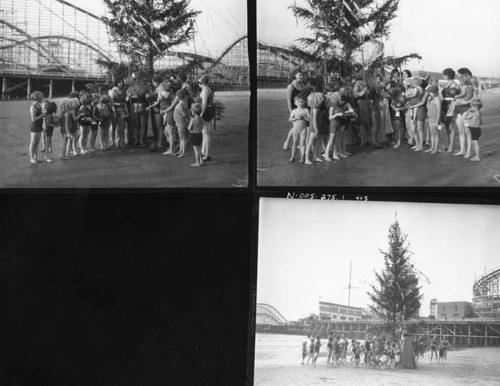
column 305, row 248
column 446, row 33
column 220, row 23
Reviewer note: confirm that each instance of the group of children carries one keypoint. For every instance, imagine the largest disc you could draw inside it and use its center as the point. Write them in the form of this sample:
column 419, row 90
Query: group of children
column 83, row 115
column 376, row 352
column 407, row 107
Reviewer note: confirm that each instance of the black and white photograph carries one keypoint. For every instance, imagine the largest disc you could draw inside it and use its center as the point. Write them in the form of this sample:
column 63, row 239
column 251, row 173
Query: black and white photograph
column 135, row 93
column 378, row 93
column 363, row 293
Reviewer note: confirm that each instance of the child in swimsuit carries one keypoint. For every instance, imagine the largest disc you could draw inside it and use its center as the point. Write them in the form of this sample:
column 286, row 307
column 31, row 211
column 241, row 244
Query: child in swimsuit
column 36, row 128
column 299, row 117
column 335, row 112
column 472, row 122
column 304, row 351
column 315, row 100
column 50, row 121
column 417, row 100
column 434, row 117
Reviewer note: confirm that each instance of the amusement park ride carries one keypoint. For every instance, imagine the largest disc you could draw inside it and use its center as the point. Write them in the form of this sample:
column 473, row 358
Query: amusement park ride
column 50, row 45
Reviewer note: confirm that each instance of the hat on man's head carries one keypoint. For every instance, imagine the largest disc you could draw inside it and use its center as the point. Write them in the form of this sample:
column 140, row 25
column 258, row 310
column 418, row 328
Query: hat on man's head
column 204, row 79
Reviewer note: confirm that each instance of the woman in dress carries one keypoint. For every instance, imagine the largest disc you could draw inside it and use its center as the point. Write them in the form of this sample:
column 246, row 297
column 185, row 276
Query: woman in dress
column 408, row 358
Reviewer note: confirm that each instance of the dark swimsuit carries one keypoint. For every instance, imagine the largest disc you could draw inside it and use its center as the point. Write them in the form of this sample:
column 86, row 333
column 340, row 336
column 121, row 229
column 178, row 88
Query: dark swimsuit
column 37, row 126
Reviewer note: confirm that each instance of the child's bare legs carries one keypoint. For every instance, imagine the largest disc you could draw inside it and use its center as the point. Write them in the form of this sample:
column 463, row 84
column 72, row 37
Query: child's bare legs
column 329, row 146
column 82, row 141
column 468, row 141
column 205, row 147
column 169, row 133
column 295, row 142
column 44, row 146
column 182, row 142
column 288, row 139
column 427, row 132
column 112, row 132
column 475, row 145
column 412, row 136
column 311, row 141
column 48, row 147
column 93, row 138
column 434, row 137
column 121, row 126
column 317, row 147
column 420, row 135
column 342, row 139
column 397, row 132
column 104, row 137
column 302, row 145
column 197, row 156
column 33, row 148
column 450, row 132
column 461, row 134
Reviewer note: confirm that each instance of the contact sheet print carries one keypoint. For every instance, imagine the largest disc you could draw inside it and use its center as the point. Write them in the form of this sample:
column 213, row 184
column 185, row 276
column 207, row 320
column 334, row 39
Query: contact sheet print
column 248, row 192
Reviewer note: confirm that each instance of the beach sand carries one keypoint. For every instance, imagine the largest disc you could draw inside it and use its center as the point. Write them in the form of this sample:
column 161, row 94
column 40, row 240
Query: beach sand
column 128, row 167
column 278, row 357
column 374, row 167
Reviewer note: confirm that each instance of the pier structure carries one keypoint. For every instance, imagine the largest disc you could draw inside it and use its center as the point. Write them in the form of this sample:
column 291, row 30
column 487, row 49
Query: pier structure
column 471, row 333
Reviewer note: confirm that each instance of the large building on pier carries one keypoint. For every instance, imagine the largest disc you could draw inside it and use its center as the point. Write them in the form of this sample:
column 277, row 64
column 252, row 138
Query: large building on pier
column 339, row 312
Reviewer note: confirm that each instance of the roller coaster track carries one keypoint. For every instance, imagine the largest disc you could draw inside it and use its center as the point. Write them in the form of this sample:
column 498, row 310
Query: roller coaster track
column 268, row 311
column 226, row 51
column 39, row 38
column 486, row 295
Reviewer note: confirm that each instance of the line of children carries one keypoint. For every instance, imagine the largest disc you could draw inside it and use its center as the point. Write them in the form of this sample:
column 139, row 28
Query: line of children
column 84, row 114
column 417, row 108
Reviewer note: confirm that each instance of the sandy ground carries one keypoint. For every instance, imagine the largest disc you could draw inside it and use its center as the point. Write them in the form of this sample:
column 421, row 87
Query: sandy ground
column 374, row 167
column 129, row 167
column 278, row 357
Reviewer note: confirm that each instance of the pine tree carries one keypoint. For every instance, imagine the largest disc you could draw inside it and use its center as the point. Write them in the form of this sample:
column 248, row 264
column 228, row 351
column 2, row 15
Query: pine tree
column 340, row 27
column 397, row 296
column 144, row 29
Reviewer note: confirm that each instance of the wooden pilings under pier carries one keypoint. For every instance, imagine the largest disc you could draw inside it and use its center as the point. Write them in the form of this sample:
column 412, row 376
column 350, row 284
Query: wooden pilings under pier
column 19, row 86
column 471, row 333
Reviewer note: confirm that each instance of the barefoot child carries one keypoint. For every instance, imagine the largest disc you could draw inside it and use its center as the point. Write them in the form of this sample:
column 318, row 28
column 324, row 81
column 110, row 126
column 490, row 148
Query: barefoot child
column 304, row 351
column 315, row 100
column 317, row 345
column 69, row 124
column 37, row 116
column 472, row 122
column 418, row 99
column 102, row 114
column 299, row 117
column 84, row 122
column 335, row 112
column 195, row 129
column 434, row 117
column 50, row 121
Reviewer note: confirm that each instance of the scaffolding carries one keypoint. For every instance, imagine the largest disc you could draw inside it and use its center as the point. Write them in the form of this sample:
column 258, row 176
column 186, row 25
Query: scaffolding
column 51, row 44
column 51, row 38
column 277, row 62
column 486, row 295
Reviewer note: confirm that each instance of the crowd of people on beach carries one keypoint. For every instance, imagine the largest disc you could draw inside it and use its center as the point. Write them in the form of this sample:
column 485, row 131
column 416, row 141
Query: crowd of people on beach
column 383, row 111
column 178, row 112
column 379, row 352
